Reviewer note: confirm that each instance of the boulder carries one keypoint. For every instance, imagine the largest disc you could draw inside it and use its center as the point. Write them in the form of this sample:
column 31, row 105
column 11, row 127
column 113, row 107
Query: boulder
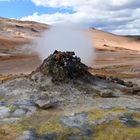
column 45, row 104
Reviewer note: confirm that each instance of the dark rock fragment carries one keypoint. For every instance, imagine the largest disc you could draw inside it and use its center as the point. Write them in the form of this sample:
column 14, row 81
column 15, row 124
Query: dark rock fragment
column 132, row 90
column 106, row 93
column 31, row 134
column 129, row 121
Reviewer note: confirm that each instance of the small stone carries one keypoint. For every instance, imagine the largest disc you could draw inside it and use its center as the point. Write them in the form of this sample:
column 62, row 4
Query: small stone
column 78, row 120
column 43, row 104
column 19, row 112
column 132, row 90
column 31, row 110
column 49, row 136
column 128, row 90
column 107, row 93
column 129, row 121
column 31, row 134
column 28, row 135
column 4, row 111
column 2, row 103
column 129, row 84
column 136, row 89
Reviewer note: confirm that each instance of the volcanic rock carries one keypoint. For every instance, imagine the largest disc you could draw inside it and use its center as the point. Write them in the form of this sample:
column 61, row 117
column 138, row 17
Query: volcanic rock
column 61, row 66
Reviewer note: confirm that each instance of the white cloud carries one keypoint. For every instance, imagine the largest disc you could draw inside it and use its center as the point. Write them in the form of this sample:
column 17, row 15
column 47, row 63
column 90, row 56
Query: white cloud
column 118, row 16
column 77, row 4
column 5, row 0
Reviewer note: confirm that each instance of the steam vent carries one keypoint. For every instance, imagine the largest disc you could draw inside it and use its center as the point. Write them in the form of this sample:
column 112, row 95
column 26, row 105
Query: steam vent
column 64, row 72
column 63, row 66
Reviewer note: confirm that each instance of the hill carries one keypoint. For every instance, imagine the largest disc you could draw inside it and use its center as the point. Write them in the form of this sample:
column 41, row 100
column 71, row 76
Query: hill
column 115, row 55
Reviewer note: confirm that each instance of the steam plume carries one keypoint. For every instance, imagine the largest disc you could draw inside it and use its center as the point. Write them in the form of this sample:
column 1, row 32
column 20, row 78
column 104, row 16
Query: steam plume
column 66, row 38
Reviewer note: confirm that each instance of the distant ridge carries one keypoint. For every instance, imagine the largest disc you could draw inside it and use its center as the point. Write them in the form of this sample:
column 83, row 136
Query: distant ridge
column 135, row 37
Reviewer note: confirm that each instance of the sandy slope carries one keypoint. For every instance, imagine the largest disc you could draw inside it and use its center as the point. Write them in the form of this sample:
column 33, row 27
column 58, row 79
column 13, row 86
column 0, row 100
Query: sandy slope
column 13, row 35
column 16, row 33
column 116, row 56
column 104, row 40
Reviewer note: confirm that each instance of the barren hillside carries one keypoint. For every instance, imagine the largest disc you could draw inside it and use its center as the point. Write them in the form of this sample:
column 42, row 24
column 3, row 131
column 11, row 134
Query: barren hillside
column 115, row 55
column 104, row 39
column 13, row 35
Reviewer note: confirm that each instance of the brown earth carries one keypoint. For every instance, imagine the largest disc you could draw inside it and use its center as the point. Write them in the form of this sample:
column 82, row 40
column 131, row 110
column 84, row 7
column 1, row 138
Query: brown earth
column 116, row 56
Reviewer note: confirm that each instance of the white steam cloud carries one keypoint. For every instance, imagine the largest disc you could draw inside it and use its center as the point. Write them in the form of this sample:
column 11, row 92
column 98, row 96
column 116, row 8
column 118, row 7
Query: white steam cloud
column 66, row 38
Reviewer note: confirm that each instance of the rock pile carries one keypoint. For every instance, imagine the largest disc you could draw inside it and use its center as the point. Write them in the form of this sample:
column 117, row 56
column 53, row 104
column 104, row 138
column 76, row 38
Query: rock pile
column 62, row 66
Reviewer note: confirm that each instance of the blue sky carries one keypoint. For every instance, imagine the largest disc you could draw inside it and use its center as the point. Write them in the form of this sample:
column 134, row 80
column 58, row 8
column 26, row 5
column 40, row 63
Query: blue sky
column 116, row 16
column 21, row 8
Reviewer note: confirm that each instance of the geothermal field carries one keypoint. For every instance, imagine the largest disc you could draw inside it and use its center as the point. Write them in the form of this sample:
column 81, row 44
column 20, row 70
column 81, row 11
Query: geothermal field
column 68, row 83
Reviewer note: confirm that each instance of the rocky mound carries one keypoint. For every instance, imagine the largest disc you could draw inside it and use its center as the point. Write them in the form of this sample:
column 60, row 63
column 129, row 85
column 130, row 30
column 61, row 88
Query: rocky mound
column 61, row 67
